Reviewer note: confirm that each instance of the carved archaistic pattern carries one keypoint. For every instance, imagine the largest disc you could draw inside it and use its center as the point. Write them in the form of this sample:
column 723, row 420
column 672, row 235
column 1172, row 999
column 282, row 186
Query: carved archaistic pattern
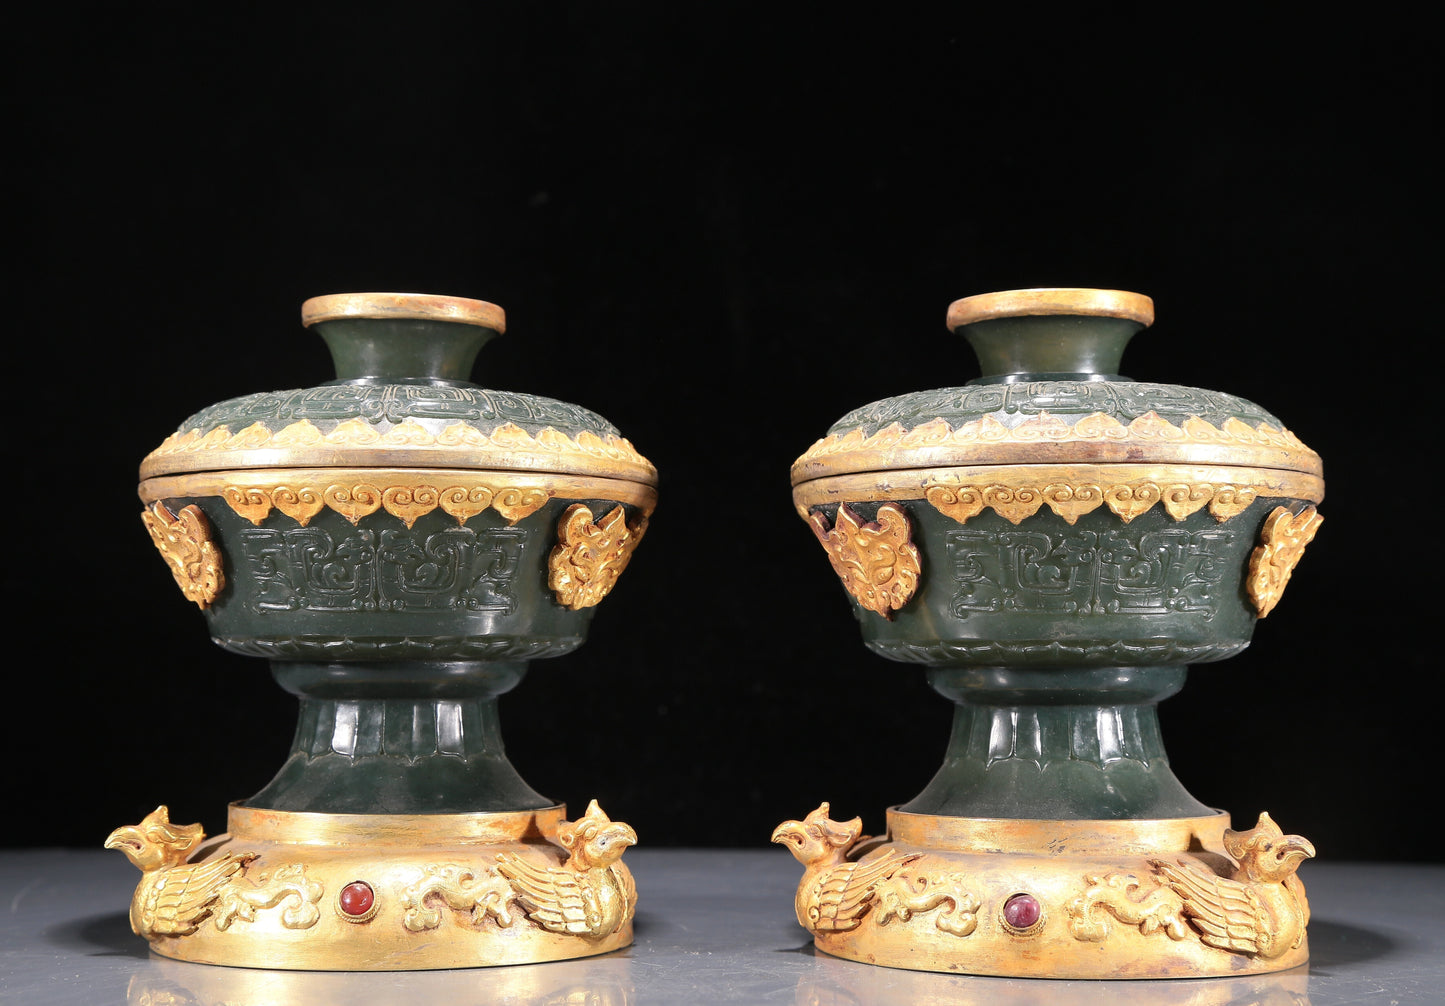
column 1260, row 911
column 184, row 541
column 588, row 558
column 392, row 403
column 878, row 562
column 467, row 442
column 406, row 501
column 1017, row 500
column 175, row 897
column 389, row 570
column 1282, row 542
column 490, row 647
column 1043, row 428
column 1085, row 652
column 1088, row 572
column 1128, row 399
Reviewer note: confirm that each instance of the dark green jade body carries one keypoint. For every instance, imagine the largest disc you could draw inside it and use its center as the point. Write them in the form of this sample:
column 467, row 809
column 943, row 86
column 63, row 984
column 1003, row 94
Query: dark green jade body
column 388, row 541
column 1081, row 538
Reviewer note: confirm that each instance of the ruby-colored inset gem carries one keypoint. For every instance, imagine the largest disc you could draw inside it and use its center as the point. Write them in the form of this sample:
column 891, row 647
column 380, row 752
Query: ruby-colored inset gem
column 1021, row 911
column 356, row 898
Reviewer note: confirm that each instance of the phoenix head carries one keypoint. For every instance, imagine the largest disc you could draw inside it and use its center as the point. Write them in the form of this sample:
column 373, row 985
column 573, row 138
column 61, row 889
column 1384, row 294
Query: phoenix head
column 817, row 838
column 1265, row 853
column 155, row 842
column 594, row 839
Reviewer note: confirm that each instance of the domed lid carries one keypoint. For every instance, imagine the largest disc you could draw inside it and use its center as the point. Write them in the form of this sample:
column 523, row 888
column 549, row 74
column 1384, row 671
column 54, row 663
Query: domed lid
column 401, row 399
column 1049, row 394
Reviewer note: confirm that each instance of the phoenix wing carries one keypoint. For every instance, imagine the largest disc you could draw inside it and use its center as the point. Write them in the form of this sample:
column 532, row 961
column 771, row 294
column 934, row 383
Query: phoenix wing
column 845, row 892
column 1226, row 912
column 182, row 897
column 553, row 898
column 627, row 886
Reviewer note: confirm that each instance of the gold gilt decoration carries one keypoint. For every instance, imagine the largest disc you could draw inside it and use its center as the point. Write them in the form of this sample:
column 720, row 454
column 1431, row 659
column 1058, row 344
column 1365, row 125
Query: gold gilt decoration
column 185, row 542
column 357, row 442
column 382, row 892
column 1074, row 899
column 1143, row 904
column 515, row 503
column 1069, row 490
column 877, row 562
column 1282, row 541
column 588, row 558
column 1261, row 910
column 407, row 501
column 1017, row 499
column 1098, row 435
column 174, row 897
column 835, row 893
column 408, row 494
column 286, row 885
column 460, row 888
column 903, row 894
column 592, row 894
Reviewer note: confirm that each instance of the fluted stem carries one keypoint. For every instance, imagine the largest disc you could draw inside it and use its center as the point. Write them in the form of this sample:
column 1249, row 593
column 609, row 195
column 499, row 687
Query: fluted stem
column 398, row 738
column 1056, row 744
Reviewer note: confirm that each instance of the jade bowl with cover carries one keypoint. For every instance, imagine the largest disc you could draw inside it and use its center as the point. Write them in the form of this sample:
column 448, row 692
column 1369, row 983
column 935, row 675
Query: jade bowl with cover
column 1055, row 542
column 399, row 542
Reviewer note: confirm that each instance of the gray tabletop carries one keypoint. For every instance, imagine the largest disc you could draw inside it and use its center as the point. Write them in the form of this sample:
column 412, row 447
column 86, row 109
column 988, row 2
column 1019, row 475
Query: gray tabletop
column 712, row 927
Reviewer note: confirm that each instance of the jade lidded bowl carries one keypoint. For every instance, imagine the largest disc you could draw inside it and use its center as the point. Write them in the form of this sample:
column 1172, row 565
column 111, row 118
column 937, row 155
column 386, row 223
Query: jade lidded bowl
column 399, row 543
column 1055, row 542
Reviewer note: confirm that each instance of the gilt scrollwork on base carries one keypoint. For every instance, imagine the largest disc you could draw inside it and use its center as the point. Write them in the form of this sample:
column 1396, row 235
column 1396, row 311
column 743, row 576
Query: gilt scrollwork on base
column 462, row 889
column 1142, row 904
column 902, row 895
column 1282, row 542
column 588, row 558
column 395, row 904
column 1053, row 898
column 286, row 886
column 1260, row 911
column 877, row 562
column 591, row 894
column 185, row 542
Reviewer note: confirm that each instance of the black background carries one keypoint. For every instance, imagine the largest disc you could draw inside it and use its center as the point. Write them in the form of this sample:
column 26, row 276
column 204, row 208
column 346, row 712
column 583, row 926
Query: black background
column 721, row 228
